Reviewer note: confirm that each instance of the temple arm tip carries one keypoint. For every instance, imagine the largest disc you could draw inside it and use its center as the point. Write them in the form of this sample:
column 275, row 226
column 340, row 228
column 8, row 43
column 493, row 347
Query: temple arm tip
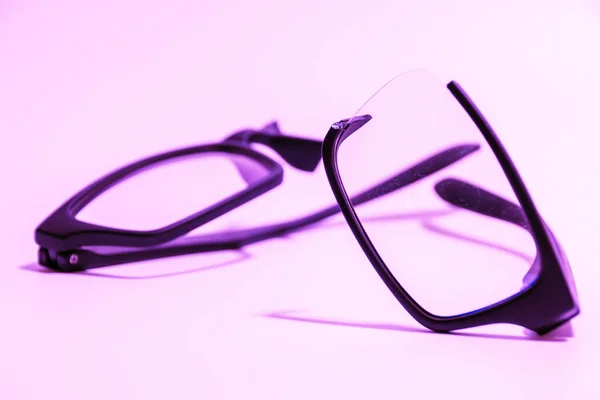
column 473, row 198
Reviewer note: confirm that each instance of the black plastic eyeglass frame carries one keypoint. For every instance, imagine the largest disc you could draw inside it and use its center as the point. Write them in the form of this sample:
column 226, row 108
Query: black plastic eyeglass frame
column 549, row 297
column 69, row 245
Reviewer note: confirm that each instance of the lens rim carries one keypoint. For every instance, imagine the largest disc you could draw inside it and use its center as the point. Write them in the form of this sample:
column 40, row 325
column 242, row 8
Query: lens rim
column 62, row 231
column 550, row 301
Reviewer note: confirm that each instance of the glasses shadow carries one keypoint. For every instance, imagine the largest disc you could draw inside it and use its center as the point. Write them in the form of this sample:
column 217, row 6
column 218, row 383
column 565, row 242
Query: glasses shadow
column 558, row 335
column 241, row 256
column 420, row 215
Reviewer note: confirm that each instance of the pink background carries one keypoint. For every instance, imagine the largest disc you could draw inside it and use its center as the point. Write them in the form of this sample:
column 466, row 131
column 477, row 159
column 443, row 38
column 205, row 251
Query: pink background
column 87, row 86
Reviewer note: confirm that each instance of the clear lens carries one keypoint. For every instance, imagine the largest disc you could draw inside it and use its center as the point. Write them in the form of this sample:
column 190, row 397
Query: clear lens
column 170, row 191
column 450, row 260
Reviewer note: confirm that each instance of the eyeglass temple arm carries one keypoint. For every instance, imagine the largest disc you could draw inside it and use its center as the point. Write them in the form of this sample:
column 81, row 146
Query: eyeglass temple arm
column 473, row 198
column 421, row 170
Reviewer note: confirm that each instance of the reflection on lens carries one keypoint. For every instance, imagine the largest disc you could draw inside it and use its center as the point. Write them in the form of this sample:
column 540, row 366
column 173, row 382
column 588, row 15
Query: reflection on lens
column 169, row 191
column 465, row 256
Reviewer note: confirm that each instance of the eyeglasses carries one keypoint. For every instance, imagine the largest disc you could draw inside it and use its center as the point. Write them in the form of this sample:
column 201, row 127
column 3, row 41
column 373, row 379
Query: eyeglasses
column 364, row 182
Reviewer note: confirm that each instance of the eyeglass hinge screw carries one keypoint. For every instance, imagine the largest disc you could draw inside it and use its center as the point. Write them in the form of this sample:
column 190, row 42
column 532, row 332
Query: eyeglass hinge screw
column 73, row 259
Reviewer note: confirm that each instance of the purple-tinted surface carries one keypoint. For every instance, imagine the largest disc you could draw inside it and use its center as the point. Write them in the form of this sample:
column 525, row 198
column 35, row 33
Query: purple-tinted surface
column 87, row 87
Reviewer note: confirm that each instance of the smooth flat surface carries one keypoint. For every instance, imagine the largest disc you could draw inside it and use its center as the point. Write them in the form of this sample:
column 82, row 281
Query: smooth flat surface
column 86, row 88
